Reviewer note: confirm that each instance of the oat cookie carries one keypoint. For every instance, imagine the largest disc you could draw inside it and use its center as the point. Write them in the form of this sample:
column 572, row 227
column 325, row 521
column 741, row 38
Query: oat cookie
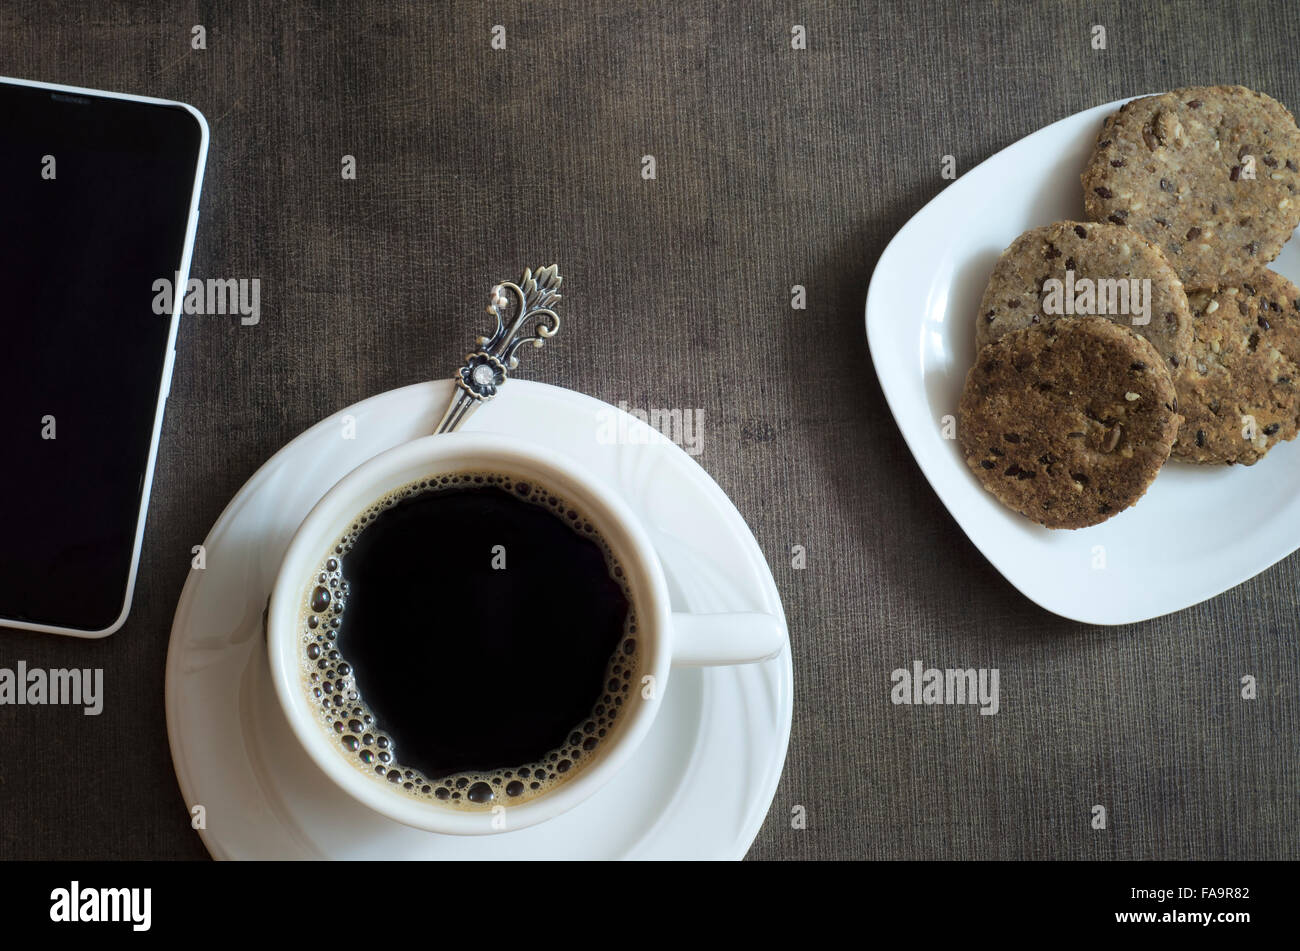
column 1178, row 168
column 1068, row 422
column 1109, row 258
column 1241, row 391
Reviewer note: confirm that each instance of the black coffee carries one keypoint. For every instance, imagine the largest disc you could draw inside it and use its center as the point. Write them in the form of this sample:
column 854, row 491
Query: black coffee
column 471, row 638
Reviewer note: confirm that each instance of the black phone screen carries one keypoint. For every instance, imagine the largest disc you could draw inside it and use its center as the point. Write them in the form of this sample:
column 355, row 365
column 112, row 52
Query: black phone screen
column 95, row 197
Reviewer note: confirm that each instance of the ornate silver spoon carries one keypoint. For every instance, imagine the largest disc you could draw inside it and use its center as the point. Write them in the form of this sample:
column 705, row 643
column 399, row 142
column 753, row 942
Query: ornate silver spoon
column 487, row 369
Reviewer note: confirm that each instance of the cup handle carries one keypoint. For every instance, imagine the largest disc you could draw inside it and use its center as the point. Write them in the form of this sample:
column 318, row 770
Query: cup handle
column 714, row 640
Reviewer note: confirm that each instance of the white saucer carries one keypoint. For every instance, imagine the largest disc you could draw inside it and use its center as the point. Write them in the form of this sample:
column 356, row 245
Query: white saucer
column 698, row 788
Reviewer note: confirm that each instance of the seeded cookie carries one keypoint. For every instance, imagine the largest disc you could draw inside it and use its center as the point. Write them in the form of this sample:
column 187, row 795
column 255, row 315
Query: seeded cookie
column 1241, row 392
column 1209, row 173
column 1096, row 265
column 1068, row 422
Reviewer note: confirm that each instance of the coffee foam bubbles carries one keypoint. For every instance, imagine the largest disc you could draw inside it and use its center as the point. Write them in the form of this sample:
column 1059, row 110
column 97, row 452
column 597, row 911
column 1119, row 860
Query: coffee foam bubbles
column 331, row 687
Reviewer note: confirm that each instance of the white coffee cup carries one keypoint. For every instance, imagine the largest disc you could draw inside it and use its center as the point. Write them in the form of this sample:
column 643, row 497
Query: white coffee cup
column 664, row 639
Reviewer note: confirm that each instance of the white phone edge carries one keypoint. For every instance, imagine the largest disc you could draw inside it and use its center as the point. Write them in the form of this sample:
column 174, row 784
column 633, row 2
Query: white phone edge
column 165, row 384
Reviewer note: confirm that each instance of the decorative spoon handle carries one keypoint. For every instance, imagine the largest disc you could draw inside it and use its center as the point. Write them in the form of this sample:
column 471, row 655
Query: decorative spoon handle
column 488, row 368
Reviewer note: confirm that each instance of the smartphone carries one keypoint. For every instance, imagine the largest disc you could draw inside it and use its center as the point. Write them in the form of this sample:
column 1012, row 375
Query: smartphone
column 99, row 200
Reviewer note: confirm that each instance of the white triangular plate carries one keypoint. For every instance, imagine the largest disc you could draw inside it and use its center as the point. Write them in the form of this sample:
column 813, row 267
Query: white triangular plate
column 1197, row 532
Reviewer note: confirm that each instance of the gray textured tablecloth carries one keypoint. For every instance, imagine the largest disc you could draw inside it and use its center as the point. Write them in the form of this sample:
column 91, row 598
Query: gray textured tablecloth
column 775, row 167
